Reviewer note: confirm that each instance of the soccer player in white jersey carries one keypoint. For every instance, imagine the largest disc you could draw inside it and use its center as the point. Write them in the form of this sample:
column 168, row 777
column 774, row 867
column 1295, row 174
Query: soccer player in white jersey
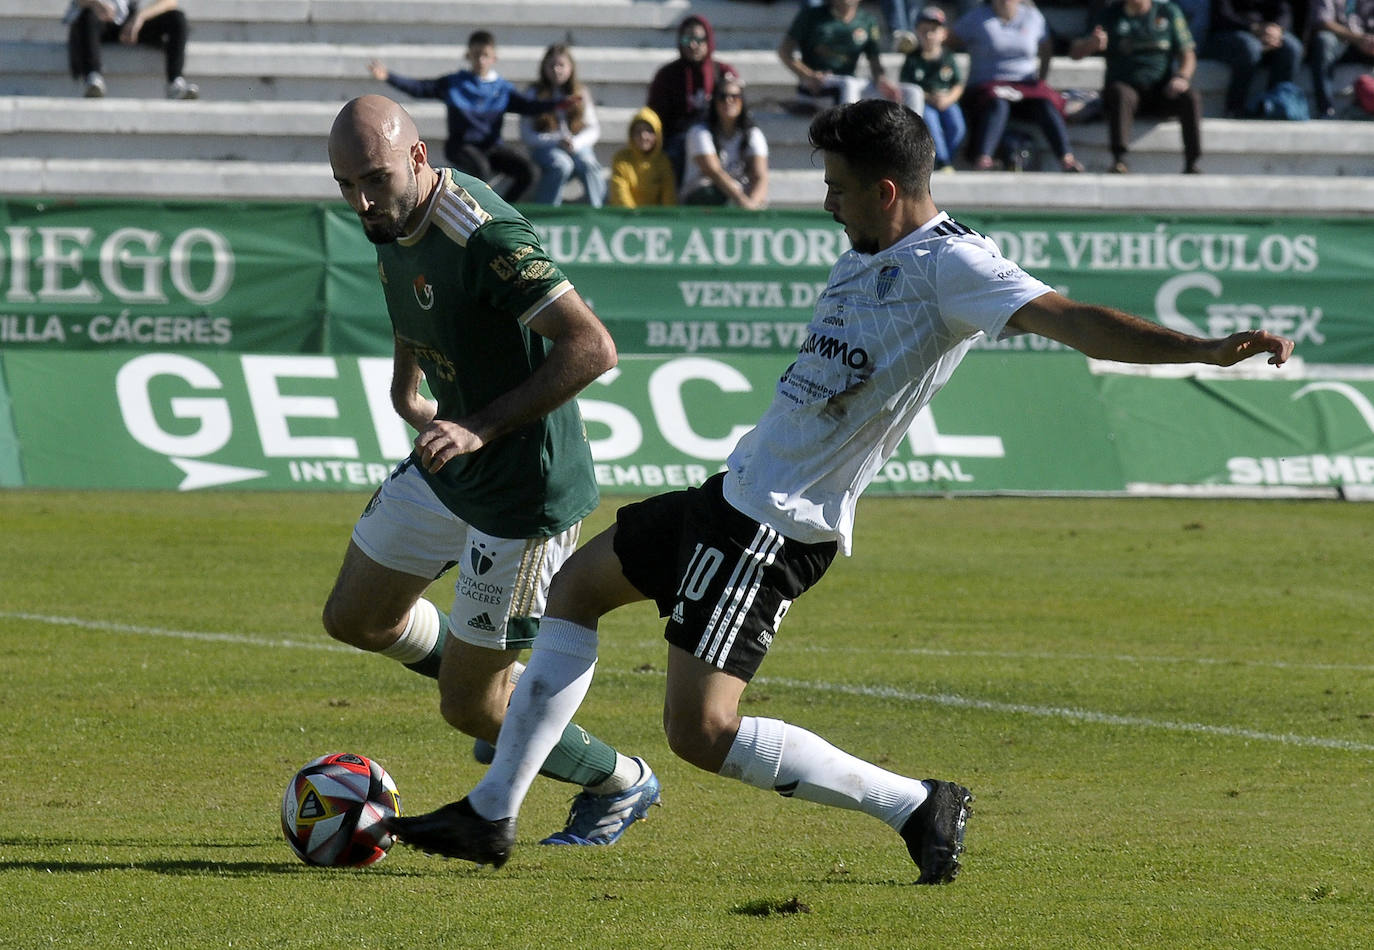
column 724, row 561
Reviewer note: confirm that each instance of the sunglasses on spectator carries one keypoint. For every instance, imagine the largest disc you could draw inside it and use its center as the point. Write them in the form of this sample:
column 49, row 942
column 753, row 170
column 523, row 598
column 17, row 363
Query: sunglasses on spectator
column 693, row 39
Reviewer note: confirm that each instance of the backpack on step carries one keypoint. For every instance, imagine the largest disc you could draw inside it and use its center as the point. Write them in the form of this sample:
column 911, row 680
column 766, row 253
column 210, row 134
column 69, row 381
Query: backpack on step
column 1285, row 101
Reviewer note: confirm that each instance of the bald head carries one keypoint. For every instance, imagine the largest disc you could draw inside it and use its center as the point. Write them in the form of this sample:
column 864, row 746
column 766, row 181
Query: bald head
column 381, row 165
column 371, row 123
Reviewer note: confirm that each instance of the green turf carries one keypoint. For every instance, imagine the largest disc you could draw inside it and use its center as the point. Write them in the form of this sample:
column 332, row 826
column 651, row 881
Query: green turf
column 1165, row 710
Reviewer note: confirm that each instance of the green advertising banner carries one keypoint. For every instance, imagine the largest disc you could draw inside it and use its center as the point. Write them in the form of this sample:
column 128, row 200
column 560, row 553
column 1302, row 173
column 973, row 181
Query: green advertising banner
column 161, row 275
column 745, row 282
column 1056, row 423
column 301, row 278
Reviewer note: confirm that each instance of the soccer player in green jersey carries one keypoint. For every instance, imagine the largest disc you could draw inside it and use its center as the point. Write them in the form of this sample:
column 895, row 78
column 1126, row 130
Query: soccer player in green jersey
column 501, row 475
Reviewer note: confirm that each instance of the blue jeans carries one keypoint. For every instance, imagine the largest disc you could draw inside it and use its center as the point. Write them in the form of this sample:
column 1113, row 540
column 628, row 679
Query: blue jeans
column 947, row 128
column 1244, row 53
column 993, row 124
column 557, row 167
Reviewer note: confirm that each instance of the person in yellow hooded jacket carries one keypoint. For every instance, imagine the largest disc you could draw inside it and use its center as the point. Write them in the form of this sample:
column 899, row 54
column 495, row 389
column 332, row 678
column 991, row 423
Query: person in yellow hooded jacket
column 640, row 172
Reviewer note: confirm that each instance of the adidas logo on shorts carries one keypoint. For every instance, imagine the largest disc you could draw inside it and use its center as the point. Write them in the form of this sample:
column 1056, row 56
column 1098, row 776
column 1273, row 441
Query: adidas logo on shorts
column 482, row 622
column 678, row 616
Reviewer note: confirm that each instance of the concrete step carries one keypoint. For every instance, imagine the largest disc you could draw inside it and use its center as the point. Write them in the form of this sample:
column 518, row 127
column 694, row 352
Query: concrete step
column 123, row 128
column 650, row 23
column 335, row 72
column 58, row 178
column 276, row 70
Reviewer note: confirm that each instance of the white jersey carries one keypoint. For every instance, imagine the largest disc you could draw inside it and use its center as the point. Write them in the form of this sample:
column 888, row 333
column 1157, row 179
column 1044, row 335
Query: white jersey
column 886, row 335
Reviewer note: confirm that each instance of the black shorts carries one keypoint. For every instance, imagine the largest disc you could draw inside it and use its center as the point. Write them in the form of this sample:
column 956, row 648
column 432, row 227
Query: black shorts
column 723, row 580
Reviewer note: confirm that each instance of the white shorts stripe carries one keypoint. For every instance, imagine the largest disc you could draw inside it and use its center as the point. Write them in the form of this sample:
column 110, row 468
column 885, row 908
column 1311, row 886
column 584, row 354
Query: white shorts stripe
column 738, row 596
column 756, row 581
column 710, row 640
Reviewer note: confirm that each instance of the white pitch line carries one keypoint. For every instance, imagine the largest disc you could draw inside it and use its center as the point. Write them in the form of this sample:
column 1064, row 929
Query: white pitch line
column 1078, row 715
column 1091, row 657
column 880, row 692
column 238, row 638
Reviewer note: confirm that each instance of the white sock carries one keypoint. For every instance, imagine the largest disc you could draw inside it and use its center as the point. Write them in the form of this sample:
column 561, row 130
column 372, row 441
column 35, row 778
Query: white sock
column 772, row 754
column 554, row 683
column 628, row 773
column 419, row 637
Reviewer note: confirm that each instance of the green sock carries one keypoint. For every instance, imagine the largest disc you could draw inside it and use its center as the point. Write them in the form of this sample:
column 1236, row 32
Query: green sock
column 429, row 664
column 580, row 758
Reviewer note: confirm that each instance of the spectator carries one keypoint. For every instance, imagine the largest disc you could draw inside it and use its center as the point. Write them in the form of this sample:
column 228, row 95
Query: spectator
column 1198, row 13
column 823, row 47
column 477, row 101
column 1150, row 65
column 1249, row 35
column 561, row 142
column 938, row 74
column 1342, row 31
column 1009, row 51
column 727, row 155
column 680, row 92
column 159, row 24
column 640, row 173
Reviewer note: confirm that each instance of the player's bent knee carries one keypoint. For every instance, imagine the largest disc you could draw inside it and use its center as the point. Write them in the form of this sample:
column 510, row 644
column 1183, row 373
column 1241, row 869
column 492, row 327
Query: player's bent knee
column 347, row 627
column 700, row 741
column 336, row 624
column 468, row 718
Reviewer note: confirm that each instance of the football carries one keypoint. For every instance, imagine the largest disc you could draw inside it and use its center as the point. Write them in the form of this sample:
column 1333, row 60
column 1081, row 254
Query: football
column 333, row 809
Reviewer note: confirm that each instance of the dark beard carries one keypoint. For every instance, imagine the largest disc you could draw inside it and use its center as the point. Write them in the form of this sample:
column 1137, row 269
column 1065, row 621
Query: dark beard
column 385, row 230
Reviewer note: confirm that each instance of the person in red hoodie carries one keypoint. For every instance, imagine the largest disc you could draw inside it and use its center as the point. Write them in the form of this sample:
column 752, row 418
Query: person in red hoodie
column 680, row 92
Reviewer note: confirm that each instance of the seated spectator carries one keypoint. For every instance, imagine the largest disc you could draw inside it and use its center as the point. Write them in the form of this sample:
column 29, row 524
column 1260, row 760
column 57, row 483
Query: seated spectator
column 640, row 173
column 680, row 92
column 1150, row 65
column 1009, row 51
column 823, row 47
column 1342, row 32
column 727, row 155
column 159, row 24
column 1249, row 35
column 561, row 142
column 1198, row 13
column 934, row 69
column 477, row 101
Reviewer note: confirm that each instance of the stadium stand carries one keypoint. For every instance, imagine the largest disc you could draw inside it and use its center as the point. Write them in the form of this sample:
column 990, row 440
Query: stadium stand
column 273, row 73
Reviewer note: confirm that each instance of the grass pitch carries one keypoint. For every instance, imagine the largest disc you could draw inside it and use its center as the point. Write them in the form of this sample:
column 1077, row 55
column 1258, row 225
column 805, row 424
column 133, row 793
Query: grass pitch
column 1164, row 708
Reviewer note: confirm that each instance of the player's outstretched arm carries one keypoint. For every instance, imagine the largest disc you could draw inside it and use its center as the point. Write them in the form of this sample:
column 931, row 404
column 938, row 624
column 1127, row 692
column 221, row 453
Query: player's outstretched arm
column 1107, row 334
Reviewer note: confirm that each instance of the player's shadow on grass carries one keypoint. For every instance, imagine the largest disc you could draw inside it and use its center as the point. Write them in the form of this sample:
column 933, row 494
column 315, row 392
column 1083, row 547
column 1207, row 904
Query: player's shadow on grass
column 192, row 868
column 184, row 867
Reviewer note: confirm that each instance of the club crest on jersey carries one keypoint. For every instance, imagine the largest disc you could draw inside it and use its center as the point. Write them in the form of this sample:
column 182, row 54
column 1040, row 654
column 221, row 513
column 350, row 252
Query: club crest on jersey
column 887, row 279
column 478, row 558
column 424, row 293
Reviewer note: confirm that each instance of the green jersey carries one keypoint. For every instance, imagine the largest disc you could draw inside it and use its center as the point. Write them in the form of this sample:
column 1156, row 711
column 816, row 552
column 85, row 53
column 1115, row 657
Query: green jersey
column 933, row 75
column 829, row 44
column 459, row 290
column 1141, row 49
